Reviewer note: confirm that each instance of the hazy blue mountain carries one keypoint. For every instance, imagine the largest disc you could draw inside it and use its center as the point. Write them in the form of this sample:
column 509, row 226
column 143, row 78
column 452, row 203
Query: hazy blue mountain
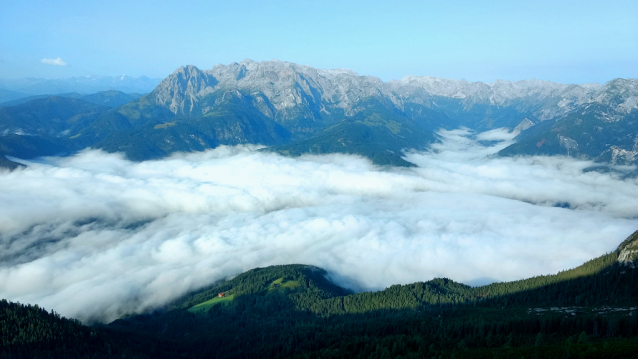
column 83, row 85
column 52, row 116
column 110, row 98
column 26, row 147
column 7, row 95
column 45, row 127
column 36, row 97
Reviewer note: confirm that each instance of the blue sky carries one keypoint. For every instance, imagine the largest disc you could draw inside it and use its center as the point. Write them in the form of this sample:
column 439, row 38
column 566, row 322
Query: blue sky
column 563, row 41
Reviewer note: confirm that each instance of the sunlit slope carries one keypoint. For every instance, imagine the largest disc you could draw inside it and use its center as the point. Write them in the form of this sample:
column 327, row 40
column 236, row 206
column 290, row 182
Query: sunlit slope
column 277, row 286
column 603, row 280
column 588, row 311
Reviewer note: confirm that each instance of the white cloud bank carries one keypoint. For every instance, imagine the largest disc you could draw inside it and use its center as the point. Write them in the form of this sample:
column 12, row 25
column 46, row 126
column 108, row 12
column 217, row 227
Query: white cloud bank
column 95, row 236
column 55, row 62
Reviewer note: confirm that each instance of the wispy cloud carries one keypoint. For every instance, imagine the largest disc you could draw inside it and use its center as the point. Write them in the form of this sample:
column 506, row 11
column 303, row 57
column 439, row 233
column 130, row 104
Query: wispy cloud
column 95, row 236
column 56, row 62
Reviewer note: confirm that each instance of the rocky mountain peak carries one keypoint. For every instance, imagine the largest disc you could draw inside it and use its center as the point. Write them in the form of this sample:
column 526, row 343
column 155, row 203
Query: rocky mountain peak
column 181, row 90
column 628, row 251
column 290, row 87
column 622, row 94
column 498, row 92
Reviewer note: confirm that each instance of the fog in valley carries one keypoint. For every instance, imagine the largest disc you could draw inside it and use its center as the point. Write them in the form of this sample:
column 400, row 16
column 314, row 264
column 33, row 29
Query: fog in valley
column 95, row 236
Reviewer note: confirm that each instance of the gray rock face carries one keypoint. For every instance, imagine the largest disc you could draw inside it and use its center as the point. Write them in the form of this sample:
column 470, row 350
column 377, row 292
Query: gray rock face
column 523, row 125
column 181, row 91
column 305, row 101
column 287, row 86
column 567, row 143
column 628, row 251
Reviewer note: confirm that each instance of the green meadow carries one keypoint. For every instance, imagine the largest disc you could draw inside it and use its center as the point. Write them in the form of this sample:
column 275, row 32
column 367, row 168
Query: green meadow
column 205, row 306
column 283, row 284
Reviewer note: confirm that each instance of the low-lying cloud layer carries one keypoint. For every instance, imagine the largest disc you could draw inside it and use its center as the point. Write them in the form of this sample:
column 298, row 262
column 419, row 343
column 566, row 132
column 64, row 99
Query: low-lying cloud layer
column 95, row 236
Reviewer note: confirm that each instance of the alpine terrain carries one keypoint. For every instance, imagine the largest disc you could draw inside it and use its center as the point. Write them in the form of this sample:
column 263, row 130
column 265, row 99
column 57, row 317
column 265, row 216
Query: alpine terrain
column 294, row 109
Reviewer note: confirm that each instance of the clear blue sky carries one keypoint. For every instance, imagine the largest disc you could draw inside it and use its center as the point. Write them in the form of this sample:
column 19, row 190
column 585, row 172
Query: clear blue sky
column 564, row 41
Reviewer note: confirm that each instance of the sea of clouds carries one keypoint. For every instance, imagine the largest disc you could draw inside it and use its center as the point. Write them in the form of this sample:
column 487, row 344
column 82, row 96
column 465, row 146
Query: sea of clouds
column 95, row 236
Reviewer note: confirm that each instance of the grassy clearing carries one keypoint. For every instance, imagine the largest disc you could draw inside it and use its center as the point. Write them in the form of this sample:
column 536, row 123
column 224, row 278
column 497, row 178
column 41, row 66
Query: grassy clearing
column 277, row 285
column 281, row 284
column 202, row 307
column 164, row 125
column 377, row 119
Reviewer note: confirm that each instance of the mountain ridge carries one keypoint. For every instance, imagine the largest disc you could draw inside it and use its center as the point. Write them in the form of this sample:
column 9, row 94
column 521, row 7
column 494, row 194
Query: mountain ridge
column 82, row 84
column 277, row 103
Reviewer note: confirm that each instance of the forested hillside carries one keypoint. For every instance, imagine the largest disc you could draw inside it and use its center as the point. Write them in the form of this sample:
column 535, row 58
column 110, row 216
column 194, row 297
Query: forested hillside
column 28, row 331
column 294, row 311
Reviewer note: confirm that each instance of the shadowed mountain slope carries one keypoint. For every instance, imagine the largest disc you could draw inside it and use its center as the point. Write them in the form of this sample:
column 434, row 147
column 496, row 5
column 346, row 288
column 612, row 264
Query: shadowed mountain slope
column 296, row 311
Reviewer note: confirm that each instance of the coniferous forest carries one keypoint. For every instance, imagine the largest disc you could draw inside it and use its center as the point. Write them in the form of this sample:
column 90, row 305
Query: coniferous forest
column 293, row 311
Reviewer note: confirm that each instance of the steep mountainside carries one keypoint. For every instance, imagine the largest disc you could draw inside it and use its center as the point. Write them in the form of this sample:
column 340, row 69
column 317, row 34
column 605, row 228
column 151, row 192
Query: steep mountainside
column 308, row 102
column 288, row 86
column 605, row 128
column 377, row 132
column 299, row 109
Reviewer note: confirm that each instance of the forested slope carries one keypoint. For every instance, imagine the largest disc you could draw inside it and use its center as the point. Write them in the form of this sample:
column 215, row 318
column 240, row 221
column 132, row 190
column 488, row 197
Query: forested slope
column 294, row 311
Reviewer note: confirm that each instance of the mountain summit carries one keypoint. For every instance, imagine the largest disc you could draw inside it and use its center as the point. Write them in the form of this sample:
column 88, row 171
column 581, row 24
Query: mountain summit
column 288, row 85
column 181, row 90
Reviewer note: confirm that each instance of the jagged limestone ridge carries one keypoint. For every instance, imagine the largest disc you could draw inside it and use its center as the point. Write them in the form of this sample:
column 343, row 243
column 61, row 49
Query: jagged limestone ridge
column 628, row 251
column 287, row 85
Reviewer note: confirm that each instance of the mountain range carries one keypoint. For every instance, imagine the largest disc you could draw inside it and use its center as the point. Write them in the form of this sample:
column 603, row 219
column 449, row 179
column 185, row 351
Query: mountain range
column 294, row 109
column 13, row 89
column 296, row 311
